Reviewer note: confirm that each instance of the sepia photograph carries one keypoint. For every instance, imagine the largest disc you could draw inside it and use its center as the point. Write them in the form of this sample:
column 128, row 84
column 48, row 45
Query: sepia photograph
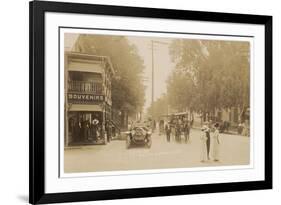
column 131, row 102
column 146, row 102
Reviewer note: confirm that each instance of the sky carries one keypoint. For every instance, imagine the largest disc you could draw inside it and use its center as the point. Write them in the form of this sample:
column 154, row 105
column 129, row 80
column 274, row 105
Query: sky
column 163, row 64
column 69, row 40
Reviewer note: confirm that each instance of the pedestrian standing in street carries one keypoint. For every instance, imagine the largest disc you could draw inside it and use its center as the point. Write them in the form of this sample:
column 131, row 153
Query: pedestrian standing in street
column 208, row 142
column 94, row 127
column 178, row 131
column 161, row 127
column 240, row 128
column 153, row 125
column 215, row 143
column 246, row 129
column 186, row 130
column 203, row 139
column 168, row 131
column 173, row 128
column 85, row 130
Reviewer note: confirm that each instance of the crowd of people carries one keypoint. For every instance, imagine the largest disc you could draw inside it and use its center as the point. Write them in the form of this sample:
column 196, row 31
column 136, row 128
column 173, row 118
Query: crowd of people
column 177, row 126
column 84, row 130
column 210, row 133
column 92, row 131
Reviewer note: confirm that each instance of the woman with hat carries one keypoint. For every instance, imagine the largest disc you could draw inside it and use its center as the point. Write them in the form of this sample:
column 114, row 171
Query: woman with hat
column 215, row 143
column 203, row 139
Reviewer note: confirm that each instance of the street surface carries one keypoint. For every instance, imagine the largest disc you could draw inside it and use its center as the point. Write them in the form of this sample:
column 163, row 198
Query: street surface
column 234, row 150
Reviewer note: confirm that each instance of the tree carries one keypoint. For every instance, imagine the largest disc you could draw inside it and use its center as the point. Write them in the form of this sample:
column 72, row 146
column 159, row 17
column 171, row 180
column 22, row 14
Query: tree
column 160, row 107
column 219, row 72
column 180, row 98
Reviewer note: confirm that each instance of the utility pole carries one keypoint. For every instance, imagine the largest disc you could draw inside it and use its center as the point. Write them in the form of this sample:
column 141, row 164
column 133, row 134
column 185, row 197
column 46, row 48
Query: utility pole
column 152, row 80
column 152, row 73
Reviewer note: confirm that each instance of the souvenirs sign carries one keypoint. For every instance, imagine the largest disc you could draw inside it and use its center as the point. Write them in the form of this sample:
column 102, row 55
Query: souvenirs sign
column 77, row 98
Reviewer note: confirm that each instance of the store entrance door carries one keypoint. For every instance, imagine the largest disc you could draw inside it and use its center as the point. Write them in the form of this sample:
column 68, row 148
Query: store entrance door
column 80, row 126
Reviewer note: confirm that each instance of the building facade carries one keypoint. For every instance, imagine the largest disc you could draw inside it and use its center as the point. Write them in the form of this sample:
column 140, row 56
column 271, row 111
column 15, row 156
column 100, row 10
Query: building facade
column 87, row 96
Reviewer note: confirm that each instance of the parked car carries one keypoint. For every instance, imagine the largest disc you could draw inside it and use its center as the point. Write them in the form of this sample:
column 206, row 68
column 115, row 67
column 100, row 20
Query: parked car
column 138, row 135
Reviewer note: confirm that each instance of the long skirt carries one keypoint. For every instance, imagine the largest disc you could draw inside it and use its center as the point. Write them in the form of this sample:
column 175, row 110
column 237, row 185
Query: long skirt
column 215, row 150
column 208, row 144
column 203, row 154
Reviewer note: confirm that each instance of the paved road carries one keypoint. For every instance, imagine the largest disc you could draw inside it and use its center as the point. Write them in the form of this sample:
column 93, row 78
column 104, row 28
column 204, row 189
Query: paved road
column 234, row 150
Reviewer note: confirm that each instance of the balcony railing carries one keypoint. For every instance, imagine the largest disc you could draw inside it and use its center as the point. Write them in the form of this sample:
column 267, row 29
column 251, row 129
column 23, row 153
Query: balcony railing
column 85, row 87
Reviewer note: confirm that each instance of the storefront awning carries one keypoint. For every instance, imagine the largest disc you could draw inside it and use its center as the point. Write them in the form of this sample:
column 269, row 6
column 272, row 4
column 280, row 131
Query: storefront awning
column 79, row 107
column 91, row 66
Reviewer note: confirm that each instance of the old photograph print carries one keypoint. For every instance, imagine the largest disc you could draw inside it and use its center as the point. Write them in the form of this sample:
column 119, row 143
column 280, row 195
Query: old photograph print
column 135, row 102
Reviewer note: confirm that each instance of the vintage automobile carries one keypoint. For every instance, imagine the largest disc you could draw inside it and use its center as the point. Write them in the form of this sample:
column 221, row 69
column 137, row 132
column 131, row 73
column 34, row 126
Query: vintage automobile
column 138, row 135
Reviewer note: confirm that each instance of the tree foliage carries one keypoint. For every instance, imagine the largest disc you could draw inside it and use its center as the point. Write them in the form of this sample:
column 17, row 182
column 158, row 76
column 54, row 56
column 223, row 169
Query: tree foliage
column 209, row 74
column 127, row 85
column 159, row 107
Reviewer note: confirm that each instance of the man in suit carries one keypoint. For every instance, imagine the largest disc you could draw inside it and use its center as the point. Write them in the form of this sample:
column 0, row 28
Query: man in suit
column 186, row 130
column 168, row 131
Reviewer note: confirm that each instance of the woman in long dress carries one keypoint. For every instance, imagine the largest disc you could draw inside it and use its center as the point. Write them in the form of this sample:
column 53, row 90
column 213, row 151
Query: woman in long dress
column 203, row 139
column 216, row 143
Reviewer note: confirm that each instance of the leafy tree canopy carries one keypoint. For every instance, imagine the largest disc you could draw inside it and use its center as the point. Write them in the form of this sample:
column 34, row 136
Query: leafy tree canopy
column 209, row 74
column 127, row 85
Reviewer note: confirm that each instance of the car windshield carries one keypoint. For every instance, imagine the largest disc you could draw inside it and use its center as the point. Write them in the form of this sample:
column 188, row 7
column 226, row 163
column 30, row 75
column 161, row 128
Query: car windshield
column 140, row 126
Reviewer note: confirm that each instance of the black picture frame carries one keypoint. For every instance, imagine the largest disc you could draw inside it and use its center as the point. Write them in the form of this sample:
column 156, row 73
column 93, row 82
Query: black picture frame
column 37, row 9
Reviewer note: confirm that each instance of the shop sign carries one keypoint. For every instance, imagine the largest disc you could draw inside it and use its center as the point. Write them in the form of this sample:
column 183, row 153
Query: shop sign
column 84, row 98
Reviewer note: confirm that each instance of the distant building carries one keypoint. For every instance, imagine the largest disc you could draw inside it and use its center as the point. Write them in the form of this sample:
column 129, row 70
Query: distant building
column 230, row 115
column 234, row 115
